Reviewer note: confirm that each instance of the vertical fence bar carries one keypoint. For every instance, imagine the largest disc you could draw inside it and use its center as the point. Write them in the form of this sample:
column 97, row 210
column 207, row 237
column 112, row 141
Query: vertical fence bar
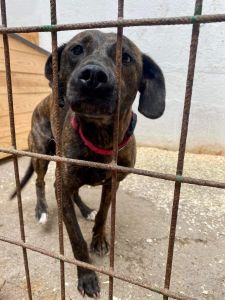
column 13, row 143
column 115, row 142
column 181, row 154
column 183, row 139
column 56, row 116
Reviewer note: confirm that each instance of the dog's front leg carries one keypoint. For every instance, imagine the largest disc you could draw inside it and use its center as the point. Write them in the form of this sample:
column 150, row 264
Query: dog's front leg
column 87, row 279
column 86, row 211
column 99, row 242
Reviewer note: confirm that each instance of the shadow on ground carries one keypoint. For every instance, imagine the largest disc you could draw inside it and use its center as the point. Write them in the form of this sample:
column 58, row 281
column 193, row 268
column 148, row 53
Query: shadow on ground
column 142, row 227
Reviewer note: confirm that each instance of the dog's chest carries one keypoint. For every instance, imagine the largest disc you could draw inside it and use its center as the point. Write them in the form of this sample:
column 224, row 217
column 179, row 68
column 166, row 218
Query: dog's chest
column 91, row 176
column 84, row 175
column 73, row 147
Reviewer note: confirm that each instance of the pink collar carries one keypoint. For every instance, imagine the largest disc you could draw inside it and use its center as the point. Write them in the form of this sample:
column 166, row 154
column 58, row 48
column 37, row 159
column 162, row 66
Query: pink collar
column 102, row 151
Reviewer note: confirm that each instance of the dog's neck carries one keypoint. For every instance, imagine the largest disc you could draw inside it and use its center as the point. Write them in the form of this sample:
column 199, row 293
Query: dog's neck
column 100, row 132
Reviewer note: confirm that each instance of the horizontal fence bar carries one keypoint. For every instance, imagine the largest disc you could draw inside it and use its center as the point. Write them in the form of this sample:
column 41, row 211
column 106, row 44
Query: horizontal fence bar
column 112, row 166
column 75, row 262
column 184, row 20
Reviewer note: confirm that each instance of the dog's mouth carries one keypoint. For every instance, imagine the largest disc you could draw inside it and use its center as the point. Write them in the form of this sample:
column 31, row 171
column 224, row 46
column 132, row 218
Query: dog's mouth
column 93, row 106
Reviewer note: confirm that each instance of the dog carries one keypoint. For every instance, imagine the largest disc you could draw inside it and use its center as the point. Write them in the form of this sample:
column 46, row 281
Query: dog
column 87, row 98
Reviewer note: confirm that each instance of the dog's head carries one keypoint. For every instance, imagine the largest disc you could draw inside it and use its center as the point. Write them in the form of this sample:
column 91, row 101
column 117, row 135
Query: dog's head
column 87, row 76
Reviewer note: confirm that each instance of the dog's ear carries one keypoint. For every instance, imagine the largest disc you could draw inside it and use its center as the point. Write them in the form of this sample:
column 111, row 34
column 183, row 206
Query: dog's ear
column 48, row 64
column 152, row 90
column 49, row 76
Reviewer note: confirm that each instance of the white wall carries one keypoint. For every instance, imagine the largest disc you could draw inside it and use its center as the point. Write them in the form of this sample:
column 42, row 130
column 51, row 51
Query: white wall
column 169, row 46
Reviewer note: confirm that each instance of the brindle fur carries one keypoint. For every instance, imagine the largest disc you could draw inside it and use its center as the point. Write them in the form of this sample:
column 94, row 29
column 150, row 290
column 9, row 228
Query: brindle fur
column 94, row 115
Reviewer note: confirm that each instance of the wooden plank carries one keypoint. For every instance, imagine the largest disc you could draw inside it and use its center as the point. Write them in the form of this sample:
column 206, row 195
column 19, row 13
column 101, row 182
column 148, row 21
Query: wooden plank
column 22, row 104
column 32, row 37
column 4, row 155
column 22, row 122
column 29, row 88
column 23, row 112
column 22, row 129
column 21, row 143
column 19, row 46
column 22, row 125
column 25, row 83
column 24, row 62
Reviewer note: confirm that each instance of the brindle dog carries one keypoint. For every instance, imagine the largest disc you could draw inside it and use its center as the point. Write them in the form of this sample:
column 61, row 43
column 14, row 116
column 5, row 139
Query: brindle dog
column 87, row 83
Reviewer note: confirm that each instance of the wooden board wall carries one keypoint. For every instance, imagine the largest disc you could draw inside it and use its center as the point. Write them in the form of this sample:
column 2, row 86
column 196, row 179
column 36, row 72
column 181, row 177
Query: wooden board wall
column 31, row 36
column 29, row 88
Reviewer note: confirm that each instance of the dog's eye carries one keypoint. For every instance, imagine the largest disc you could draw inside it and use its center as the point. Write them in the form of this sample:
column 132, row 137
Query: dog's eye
column 77, row 50
column 126, row 58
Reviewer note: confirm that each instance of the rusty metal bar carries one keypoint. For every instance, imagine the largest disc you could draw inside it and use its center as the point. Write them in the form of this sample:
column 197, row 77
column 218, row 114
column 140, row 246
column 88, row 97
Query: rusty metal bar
column 85, row 163
column 184, row 20
column 183, row 139
column 13, row 142
column 115, row 142
column 56, row 116
column 196, row 20
column 111, row 273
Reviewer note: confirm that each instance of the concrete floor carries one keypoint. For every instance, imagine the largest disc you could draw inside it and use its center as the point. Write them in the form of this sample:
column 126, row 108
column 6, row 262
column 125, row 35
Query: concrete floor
column 142, row 226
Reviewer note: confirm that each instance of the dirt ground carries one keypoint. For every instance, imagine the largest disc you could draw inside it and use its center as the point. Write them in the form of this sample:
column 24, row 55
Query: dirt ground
column 142, row 227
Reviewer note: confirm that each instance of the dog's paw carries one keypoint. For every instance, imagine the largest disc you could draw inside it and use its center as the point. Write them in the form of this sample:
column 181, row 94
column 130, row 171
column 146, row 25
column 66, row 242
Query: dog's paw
column 43, row 219
column 99, row 244
column 88, row 284
column 91, row 216
column 41, row 214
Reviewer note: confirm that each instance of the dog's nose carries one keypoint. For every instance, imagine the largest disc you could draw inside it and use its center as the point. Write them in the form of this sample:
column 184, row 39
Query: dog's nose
column 93, row 77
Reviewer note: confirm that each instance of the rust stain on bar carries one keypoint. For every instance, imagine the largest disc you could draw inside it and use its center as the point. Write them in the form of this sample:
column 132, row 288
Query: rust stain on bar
column 185, row 20
column 115, row 143
column 97, row 269
column 182, row 147
column 13, row 142
column 91, row 164
column 58, row 144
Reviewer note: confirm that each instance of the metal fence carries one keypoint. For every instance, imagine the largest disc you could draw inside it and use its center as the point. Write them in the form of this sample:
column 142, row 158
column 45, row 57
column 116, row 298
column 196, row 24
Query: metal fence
column 178, row 178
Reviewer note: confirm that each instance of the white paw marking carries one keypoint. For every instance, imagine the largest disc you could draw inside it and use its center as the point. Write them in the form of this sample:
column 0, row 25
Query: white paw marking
column 92, row 215
column 43, row 219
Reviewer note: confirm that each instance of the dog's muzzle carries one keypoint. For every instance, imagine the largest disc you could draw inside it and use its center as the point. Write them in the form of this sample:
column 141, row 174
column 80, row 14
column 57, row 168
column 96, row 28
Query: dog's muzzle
column 92, row 89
